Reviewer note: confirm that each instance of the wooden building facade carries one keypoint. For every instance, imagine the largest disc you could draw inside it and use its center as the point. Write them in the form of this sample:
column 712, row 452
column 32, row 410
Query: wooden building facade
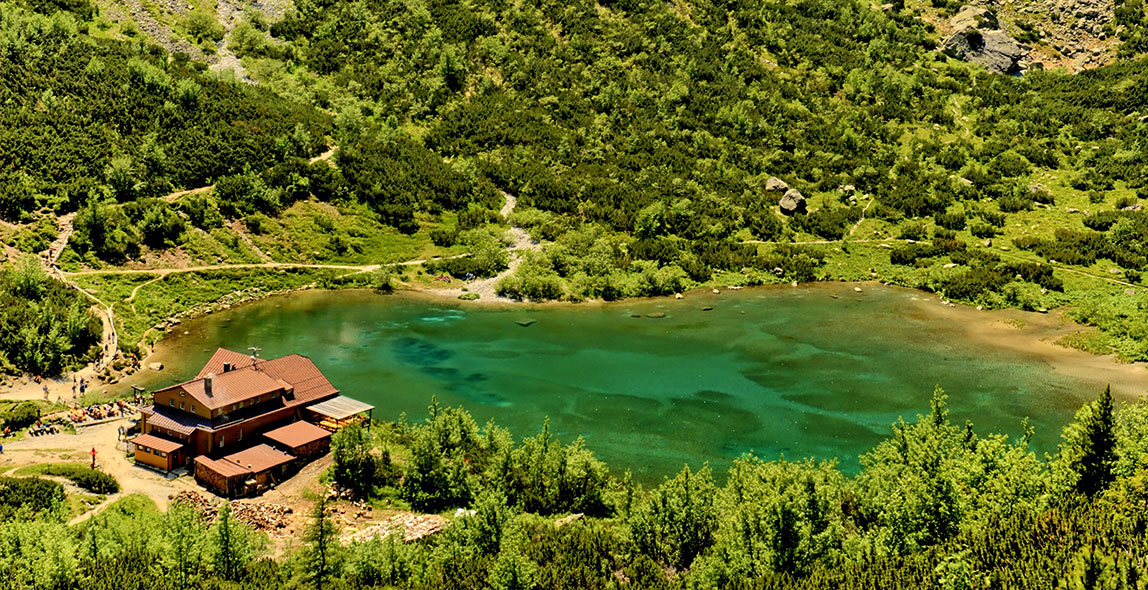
column 241, row 424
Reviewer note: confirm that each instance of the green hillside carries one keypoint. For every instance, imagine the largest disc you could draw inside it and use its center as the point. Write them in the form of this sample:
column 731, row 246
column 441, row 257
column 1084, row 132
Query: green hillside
column 643, row 144
column 637, row 137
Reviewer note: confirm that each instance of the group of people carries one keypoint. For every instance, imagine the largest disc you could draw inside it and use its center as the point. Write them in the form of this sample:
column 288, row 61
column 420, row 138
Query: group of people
column 40, row 428
column 101, row 411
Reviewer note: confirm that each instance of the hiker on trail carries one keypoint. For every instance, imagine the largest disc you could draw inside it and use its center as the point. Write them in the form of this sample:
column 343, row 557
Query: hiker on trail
column 45, row 392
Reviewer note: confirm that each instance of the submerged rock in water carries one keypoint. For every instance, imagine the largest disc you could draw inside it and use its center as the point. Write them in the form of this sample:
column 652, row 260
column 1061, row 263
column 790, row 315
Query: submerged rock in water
column 526, row 323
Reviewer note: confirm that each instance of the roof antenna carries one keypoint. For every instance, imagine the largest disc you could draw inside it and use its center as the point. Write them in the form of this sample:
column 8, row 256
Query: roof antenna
column 254, row 354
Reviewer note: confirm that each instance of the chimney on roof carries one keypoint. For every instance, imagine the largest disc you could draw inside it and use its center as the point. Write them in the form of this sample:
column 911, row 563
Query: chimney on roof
column 207, row 383
column 226, row 367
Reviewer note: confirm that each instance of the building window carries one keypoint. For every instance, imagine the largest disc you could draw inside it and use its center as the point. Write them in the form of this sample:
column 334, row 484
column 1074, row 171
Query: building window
column 240, row 435
column 181, row 393
column 181, row 405
column 221, row 440
column 193, row 408
column 171, row 402
column 163, row 454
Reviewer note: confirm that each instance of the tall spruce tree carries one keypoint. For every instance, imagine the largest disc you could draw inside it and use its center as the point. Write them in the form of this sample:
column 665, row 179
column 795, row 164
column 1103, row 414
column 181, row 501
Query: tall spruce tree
column 1095, row 463
column 323, row 546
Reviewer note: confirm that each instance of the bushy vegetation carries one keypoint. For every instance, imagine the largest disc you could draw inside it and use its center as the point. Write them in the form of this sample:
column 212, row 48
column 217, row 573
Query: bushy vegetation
column 44, row 326
column 20, row 415
column 29, row 497
column 641, row 171
column 86, row 478
column 82, row 117
column 935, row 505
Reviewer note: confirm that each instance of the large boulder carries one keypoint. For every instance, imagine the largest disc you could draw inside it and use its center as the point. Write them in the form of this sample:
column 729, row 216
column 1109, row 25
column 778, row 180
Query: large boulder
column 977, row 38
column 775, row 185
column 792, row 202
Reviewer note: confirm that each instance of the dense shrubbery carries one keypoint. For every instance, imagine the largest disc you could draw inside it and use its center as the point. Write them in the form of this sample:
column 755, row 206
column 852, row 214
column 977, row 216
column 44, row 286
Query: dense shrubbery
column 934, row 504
column 357, row 465
column 20, row 415
column 82, row 116
column 29, row 497
column 44, row 326
column 85, row 478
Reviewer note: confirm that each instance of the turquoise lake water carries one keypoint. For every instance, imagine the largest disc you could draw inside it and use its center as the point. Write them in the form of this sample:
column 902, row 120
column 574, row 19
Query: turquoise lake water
column 806, row 372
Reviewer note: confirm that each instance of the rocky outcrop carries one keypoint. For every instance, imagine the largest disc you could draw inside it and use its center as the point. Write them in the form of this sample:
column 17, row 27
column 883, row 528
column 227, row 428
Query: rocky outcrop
column 978, row 38
column 776, row 185
column 792, row 202
column 1073, row 34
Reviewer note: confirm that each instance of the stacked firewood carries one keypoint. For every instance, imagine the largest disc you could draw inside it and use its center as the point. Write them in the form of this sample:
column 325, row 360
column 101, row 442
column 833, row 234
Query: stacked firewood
column 198, row 501
column 413, row 526
column 262, row 516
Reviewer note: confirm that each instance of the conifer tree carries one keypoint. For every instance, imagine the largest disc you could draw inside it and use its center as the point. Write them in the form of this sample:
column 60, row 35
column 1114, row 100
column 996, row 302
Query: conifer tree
column 321, row 539
column 1097, row 458
column 231, row 548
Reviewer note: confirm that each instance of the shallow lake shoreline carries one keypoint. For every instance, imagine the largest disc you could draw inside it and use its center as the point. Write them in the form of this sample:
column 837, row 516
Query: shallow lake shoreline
column 1026, row 332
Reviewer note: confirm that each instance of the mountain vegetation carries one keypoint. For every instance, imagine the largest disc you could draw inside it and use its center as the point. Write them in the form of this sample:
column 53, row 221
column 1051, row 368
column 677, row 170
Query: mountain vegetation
column 935, row 505
column 643, row 143
column 638, row 139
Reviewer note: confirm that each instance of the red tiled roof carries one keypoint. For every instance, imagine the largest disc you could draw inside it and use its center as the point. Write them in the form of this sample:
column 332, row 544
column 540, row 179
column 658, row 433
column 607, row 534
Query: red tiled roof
column 233, row 387
column 258, row 458
column 221, row 357
column 154, row 442
column 223, row 468
column 298, row 377
column 181, row 422
column 309, row 383
column 297, row 434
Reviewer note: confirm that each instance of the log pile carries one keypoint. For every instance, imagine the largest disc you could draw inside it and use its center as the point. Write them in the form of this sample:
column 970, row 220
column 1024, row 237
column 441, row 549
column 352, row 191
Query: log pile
column 413, row 526
column 358, row 508
column 262, row 516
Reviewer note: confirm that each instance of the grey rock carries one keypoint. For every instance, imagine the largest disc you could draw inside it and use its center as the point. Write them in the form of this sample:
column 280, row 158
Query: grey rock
column 977, row 38
column 792, row 202
column 776, row 185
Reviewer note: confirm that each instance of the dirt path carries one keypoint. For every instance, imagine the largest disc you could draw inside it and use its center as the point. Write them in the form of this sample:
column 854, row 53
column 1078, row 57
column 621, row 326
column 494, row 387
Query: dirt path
column 1085, row 273
column 325, row 156
column 109, row 339
column 111, row 456
column 65, row 233
column 172, row 197
column 863, row 212
column 485, row 288
column 168, row 271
